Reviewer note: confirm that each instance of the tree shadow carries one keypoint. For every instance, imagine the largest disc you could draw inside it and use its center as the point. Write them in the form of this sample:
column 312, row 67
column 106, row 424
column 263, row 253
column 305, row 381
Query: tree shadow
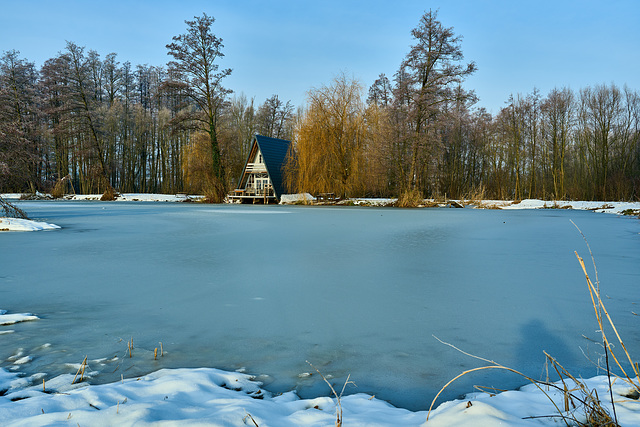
column 536, row 339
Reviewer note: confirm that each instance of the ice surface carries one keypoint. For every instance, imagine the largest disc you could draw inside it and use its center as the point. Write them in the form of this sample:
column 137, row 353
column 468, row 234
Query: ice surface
column 355, row 291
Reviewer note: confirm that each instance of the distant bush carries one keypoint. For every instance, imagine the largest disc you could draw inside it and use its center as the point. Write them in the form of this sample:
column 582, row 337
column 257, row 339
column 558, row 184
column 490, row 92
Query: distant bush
column 109, row 194
column 410, row 199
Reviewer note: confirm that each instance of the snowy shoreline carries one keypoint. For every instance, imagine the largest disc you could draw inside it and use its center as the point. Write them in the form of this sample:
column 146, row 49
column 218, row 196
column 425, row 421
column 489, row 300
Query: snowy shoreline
column 618, row 208
column 208, row 396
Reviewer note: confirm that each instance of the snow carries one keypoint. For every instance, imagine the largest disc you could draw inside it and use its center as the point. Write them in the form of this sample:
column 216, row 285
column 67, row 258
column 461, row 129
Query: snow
column 17, row 224
column 210, row 396
column 608, row 207
column 138, row 197
column 10, row 319
column 288, row 199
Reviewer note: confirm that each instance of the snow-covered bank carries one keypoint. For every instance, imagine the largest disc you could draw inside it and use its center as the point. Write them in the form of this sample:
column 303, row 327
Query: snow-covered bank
column 139, row 197
column 607, row 207
column 122, row 197
column 214, row 397
column 17, row 224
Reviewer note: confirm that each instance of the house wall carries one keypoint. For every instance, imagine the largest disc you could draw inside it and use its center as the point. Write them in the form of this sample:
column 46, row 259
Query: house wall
column 258, row 161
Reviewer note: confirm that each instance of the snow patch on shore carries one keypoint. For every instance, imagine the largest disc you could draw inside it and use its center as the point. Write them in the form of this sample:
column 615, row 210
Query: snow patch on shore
column 18, row 224
column 10, row 319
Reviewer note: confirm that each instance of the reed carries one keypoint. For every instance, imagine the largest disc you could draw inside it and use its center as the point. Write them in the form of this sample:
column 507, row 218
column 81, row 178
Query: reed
column 80, row 369
column 580, row 406
column 338, row 396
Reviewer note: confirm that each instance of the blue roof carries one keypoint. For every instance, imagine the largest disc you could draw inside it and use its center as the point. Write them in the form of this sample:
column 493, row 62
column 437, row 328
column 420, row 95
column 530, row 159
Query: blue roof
column 274, row 154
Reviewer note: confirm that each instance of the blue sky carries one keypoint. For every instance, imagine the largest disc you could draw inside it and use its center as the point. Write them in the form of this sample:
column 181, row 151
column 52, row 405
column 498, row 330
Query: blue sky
column 289, row 47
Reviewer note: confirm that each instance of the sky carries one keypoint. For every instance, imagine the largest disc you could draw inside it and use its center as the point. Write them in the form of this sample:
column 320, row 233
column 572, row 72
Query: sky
column 289, row 47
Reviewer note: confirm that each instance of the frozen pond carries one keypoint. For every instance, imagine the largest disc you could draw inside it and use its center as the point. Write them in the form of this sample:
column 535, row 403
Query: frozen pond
column 355, row 291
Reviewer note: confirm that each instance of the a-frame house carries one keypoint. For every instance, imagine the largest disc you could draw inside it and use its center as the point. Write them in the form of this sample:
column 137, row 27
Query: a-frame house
column 262, row 178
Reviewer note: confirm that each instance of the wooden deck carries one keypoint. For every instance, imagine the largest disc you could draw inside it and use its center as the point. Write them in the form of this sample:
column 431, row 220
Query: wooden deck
column 262, row 196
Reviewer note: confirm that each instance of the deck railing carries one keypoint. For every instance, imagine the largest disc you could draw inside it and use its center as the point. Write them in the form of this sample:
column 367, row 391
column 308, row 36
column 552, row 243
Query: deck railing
column 255, row 167
column 261, row 192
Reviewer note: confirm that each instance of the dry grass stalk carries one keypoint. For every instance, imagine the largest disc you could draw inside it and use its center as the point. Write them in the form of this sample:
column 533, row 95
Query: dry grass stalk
column 81, row 368
column 161, row 350
column 338, row 396
column 244, row 420
column 493, row 365
column 595, row 414
column 155, row 353
column 599, row 308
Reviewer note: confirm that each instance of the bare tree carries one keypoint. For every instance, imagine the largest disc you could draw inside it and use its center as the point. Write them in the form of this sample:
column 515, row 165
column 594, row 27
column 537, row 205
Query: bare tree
column 381, row 92
column 432, row 70
column 18, row 123
column 558, row 118
column 195, row 70
column 275, row 118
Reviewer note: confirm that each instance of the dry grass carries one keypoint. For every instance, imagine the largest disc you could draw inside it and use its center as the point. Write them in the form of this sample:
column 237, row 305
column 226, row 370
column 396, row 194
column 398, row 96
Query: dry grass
column 475, row 196
column 338, row 396
column 81, row 369
column 60, row 189
column 109, row 194
column 410, row 199
column 580, row 405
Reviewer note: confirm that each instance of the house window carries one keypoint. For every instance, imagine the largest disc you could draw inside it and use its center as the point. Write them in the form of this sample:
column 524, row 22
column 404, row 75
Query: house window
column 260, row 158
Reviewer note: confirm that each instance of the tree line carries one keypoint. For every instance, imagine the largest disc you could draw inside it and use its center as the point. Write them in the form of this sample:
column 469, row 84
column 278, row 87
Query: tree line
column 87, row 124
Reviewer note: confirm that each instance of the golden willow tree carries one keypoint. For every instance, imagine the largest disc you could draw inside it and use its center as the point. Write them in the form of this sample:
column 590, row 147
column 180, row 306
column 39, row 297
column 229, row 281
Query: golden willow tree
column 331, row 142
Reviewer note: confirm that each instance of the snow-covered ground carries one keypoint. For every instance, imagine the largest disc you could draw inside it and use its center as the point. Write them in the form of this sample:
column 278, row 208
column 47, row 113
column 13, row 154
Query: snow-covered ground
column 608, row 207
column 123, row 197
column 17, row 224
column 206, row 396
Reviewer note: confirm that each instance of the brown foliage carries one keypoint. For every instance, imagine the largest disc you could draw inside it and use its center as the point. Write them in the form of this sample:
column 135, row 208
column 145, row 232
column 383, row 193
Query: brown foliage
column 198, row 173
column 331, row 141
column 109, row 194
column 410, row 198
